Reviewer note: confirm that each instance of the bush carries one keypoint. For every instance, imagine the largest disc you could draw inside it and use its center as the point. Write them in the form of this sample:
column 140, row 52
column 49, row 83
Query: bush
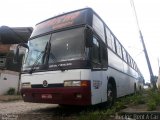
column 119, row 105
column 153, row 99
column 151, row 105
column 11, row 91
column 139, row 99
column 155, row 96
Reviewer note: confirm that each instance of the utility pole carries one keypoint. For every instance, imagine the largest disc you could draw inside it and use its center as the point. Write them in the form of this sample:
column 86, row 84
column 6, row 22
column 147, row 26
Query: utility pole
column 152, row 78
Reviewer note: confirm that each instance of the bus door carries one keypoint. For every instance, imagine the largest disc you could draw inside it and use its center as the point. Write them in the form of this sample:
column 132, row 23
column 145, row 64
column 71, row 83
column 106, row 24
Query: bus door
column 99, row 67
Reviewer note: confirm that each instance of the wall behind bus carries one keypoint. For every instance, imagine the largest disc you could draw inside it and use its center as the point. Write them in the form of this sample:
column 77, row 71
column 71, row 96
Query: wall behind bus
column 8, row 79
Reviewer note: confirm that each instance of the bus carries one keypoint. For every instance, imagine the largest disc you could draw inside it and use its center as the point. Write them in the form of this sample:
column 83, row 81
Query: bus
column 75, row 59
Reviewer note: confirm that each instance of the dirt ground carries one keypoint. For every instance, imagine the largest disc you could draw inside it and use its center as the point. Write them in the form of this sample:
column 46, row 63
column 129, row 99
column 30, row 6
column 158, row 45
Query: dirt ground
column 13, row 108
column 6, row 98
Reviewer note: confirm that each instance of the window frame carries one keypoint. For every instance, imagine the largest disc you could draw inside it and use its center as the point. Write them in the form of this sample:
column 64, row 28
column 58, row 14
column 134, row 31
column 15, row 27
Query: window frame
column 102, row 63
column 110, row 39
column 92, row 50
column 119, row 49
column 98, row 26
column 124, row 54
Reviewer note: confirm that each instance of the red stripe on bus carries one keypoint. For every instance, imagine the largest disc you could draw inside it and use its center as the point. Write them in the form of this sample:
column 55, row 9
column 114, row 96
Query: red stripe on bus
column 64, row 95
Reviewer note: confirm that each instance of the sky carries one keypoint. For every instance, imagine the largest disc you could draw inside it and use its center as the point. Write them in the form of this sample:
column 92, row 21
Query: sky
column 117, row 14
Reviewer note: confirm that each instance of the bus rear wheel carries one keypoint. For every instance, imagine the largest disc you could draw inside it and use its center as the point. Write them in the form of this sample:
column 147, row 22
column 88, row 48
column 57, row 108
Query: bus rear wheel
column 135, row 89
column 110, row 95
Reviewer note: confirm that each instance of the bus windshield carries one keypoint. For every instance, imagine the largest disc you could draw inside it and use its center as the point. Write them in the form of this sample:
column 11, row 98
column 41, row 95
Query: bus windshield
column 64, row 46
column 36, row 48
column 67, row 45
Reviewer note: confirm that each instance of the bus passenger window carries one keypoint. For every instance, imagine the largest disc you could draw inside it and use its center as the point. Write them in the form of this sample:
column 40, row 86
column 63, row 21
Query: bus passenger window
column 119, row 50
column 98, row 27
column 110, row 40
column 129, row 60
column 124, row 54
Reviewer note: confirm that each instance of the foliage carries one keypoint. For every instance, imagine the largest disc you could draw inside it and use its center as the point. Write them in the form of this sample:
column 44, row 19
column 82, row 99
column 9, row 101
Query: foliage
column 150, row 98
column 11, row 91
column 138, row 99
column 103, row 112
column 153, row 99
column 151, row 105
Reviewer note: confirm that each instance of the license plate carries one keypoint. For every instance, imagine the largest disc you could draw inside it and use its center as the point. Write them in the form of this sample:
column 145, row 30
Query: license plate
column 46, row 96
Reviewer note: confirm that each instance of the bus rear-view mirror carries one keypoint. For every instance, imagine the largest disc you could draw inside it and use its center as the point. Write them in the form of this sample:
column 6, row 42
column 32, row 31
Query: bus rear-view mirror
column 16, row 58
column 89, row 37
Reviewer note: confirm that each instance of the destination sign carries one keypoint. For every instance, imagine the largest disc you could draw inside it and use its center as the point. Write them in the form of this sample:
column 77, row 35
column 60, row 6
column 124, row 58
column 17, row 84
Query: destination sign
column 66, row 20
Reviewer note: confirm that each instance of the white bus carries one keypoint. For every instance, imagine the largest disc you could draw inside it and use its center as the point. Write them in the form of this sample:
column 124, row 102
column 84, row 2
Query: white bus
column 75, row 59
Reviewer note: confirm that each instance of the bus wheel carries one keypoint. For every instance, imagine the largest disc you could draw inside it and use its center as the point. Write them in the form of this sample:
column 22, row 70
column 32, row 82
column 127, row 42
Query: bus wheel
column 135, row 89
column 110, row 95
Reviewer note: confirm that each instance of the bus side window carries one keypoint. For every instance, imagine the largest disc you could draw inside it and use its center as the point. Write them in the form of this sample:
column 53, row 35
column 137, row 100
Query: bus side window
column 124, row 55
column 99, row 54
column 104, row 59
column 129, row 60
column 118, row 46
column 110, row 39
column 95, row 51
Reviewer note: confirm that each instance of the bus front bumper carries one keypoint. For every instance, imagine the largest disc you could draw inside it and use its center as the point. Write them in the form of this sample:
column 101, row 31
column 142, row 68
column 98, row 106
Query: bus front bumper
column 64, row 95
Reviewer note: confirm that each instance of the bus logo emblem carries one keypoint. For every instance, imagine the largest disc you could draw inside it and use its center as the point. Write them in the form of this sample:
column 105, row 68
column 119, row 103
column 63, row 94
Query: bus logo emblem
column 45, row 83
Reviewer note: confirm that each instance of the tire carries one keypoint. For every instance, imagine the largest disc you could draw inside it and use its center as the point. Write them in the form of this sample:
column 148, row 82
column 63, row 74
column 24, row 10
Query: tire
column 111, row 95
column 135, row 89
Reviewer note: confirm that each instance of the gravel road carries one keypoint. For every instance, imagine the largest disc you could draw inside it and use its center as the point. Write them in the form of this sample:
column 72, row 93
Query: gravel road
column 18, row 107
column 19, row 110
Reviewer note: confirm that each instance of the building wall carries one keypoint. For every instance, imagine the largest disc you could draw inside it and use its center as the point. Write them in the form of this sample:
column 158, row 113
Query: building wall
column 10, row 37
column 9, row 69
column 8, row 79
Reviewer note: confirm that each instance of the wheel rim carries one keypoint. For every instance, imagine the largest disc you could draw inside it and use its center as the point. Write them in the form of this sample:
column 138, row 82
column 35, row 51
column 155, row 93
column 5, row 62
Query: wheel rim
column 110, row 95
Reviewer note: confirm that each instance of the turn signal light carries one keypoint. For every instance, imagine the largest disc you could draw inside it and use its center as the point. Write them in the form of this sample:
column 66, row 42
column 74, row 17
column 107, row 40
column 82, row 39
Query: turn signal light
column 85, row 83
column 74, row 83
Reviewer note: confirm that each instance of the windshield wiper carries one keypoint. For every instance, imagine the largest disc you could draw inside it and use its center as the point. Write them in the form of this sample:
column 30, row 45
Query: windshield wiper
column 44, row 53
column 54, row 59
column 45, row 57
column 36, row 63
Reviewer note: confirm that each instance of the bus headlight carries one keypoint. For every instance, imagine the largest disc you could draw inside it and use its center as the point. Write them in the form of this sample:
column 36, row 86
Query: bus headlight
column 74, row 83
column 26, row 85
